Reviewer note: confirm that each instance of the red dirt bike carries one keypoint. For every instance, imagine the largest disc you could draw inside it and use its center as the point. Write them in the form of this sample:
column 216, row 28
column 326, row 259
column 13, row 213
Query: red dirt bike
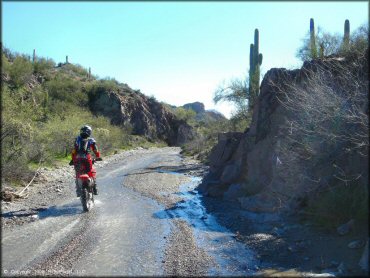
column 85, row 181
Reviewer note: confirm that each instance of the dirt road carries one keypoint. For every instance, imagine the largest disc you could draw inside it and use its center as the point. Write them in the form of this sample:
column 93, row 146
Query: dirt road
column 148, row 220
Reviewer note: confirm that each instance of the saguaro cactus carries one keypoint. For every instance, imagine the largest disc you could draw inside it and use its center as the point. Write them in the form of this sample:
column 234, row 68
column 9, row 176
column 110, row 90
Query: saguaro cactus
column 89, row 76
column 34, row 56
column 67, row 59
column 346, row 34
column 313, row 49
column 255, row 61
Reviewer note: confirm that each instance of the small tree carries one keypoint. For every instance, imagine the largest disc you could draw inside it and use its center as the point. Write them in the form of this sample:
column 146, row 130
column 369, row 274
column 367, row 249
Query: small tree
column 236, row 92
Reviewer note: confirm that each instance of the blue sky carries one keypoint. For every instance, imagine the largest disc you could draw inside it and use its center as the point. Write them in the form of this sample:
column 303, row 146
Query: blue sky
column 178, row 52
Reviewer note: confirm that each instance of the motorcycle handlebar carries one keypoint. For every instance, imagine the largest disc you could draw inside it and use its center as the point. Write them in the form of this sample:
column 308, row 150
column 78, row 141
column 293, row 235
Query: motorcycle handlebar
column 97, row 159
column 93, row 161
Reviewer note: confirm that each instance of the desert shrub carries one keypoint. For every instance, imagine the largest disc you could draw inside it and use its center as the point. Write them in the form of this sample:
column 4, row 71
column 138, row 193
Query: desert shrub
column 66, row 89
column 16, row 132
column 206, row 139
column 236, row 92
column 5, row 65
column 338, row 204
column 186, row 115
column 20, row 71
column 10, row 55
column 43, row 67
column 94, row 89
column 324, row 145
column 75, row 70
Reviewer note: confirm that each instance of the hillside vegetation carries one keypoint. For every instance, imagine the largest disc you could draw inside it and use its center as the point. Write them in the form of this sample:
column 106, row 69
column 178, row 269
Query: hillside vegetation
column 43, row 107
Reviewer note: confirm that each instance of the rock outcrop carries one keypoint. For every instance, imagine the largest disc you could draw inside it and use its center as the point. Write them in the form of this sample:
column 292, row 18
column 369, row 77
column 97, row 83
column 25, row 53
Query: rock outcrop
column 145, row 115
column 202, row 114
column 246, row 166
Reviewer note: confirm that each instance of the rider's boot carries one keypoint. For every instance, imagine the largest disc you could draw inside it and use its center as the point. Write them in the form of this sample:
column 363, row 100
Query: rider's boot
column 95, row 189
column 78, row 190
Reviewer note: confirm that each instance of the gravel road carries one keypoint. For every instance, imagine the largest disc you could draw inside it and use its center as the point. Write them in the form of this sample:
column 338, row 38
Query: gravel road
column 147, row 220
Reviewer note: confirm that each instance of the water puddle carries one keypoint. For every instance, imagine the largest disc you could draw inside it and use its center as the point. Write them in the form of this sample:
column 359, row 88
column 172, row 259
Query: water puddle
column 232, row 257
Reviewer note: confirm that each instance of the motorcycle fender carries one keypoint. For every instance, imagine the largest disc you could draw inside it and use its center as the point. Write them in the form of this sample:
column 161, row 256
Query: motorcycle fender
column 84, row 180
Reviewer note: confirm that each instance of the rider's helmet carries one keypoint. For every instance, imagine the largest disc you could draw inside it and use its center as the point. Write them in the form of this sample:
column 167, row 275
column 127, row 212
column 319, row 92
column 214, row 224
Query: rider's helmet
column 85, row 131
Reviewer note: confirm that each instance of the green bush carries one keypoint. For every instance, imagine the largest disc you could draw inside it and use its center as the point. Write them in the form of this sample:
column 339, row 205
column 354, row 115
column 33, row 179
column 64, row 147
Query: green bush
column 339, row 204
column 66, row 89
column 20, row 71
column 75, row 70
column 43, row 67
column 5, row 65
column 95, row 88
column 185, row 114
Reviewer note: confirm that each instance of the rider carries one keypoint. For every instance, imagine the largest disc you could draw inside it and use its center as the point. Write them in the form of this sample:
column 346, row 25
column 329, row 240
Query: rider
column 83, row 146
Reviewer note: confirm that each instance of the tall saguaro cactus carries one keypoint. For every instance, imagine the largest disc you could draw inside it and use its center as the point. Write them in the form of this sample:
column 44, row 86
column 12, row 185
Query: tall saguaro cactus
column 34, row 56
column 313, row 49
column 255, row 61
column 346, row 34
column 89, row 75
column 67, row 59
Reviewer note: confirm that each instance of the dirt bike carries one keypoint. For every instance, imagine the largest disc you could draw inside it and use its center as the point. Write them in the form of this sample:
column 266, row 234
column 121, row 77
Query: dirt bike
column 85, row 182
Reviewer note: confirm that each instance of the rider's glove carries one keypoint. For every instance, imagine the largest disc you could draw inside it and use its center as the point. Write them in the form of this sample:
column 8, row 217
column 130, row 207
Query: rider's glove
column 71, row 163
column 98, row 159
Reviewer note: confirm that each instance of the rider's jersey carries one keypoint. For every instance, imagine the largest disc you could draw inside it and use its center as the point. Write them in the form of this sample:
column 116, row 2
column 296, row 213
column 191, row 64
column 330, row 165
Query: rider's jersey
column 83, row 147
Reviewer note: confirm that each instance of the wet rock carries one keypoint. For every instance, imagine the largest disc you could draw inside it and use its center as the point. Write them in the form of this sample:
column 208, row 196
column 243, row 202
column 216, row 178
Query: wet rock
column 346, row 228
column 356, row 244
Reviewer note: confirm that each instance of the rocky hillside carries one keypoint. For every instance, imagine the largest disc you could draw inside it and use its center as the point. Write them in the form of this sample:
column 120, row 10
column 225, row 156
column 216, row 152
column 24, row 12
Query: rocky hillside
column 145, row 115
column 257, row 169
column 202, row 114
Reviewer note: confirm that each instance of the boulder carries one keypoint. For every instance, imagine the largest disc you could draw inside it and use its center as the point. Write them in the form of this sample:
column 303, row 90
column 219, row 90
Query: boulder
column 185, row 133
column 223, row 151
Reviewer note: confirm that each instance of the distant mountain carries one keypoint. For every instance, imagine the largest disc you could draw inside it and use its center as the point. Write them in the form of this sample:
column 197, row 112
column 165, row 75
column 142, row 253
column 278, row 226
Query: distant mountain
column 202, row 114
